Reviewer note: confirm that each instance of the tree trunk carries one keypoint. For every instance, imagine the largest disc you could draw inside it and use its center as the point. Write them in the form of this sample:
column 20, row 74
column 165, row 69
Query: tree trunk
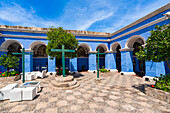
column 167, row 62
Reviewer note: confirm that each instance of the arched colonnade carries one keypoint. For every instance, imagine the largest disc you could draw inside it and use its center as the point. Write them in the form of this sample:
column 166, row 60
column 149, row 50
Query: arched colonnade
column 116, row 58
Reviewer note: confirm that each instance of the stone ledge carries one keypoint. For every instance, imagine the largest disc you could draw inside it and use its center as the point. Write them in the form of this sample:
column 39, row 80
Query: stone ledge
column 64, row 83
column 158, row 94
column 44, row 30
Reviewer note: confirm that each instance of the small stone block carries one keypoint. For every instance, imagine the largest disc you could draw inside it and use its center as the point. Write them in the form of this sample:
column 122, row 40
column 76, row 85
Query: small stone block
column 28, row 93
column 16, row 94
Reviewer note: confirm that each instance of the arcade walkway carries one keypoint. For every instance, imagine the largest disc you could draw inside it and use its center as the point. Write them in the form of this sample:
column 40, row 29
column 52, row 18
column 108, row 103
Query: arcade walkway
column 115, row 94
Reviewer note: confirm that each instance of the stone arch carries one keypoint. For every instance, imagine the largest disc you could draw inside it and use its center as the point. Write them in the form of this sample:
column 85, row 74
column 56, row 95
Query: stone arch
column 83, row 57
column 136, row 38
column 86, row 47
column 103, row 46
column 7, row 43
column 39, row 48
column 114, row 46
column 32, row 45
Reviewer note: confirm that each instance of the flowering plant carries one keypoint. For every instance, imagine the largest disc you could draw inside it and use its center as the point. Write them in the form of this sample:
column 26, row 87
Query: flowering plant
column 163, row 82
column 8, row 74
column 60, row 72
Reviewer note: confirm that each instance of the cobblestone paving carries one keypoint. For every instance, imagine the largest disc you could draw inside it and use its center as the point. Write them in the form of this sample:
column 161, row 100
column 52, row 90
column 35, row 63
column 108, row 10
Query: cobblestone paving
column 114, row 94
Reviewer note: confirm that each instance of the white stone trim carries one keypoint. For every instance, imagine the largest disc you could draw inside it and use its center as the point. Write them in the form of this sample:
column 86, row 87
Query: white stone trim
column 111, row 52
column 150, row 78
column 92, row 51
column 33, row 44
column 28, row 50
column 128, row 73
column 113, row 70
column 86, row 46
column 114, row 46
column 127, row 49
column 104, row 47
column 142, row 27
column 3, row 50
column 92, row 71
column 132, row 40
column 6, row 43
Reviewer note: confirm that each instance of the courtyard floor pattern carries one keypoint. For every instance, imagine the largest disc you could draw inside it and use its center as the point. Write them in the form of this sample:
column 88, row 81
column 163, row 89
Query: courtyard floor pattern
column 114, row 94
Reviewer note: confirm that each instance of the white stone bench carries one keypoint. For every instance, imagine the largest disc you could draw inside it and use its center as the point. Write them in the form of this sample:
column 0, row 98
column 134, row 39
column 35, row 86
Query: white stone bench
column 35, row 84
column 39, row 74
column 19, row 94
column 16, row 94
column 28, row 93
column 5, row 91
column 28, row 76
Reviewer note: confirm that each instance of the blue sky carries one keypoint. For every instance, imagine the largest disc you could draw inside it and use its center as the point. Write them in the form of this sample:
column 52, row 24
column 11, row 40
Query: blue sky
column 89, row 15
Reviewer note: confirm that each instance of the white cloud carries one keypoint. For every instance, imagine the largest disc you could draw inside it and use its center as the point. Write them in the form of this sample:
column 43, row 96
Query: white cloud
column 96, row 15
column 17, row 15
column 138, row 12
column 85, row 14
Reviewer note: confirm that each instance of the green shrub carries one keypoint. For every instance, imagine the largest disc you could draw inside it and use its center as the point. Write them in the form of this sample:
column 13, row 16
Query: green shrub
column 163, row 82
column 9, row 74
column 104, row 70
column 102, row 67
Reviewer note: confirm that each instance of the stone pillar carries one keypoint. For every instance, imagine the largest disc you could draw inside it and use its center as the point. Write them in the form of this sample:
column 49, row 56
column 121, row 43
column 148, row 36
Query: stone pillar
column 2, row 52
column 51, row 65
column 92, row 61
column 110, row 61
column 127, row 61
column 73, row 65
column 28, row 61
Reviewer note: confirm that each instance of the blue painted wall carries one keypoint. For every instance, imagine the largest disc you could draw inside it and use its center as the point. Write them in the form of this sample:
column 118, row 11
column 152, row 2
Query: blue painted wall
column 38, row 63
column 81, row 62
column 127, row 61
column 2, row 69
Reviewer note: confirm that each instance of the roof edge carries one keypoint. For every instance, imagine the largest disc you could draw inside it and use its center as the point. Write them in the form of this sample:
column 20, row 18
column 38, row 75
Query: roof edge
column 161, row 9
column 44, row 30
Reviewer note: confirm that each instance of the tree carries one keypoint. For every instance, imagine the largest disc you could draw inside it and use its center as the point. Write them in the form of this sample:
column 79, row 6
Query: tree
column 157, row 46
column 56, row 38
column 9, row 61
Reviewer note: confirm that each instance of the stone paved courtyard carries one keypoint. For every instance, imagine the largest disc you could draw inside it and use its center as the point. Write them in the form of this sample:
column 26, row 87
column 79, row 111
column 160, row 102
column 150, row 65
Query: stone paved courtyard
column 115, row 94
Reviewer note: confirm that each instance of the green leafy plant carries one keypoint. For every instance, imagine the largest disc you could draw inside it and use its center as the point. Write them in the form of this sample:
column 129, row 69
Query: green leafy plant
column 163, row 82
column 104, row 70
column 9, row 74
column 157, row 46
column 56, row 38
column 9, row 61
column 103, row 67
